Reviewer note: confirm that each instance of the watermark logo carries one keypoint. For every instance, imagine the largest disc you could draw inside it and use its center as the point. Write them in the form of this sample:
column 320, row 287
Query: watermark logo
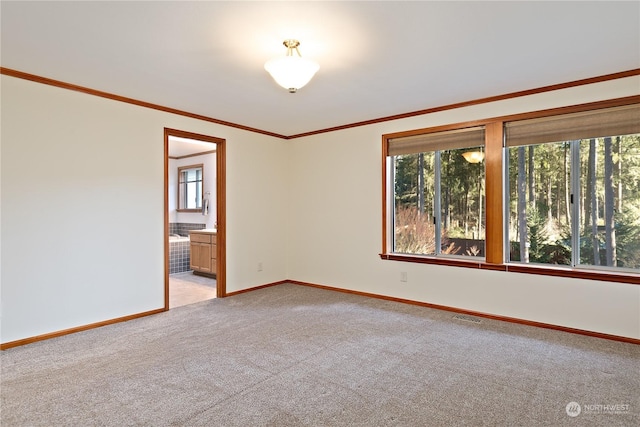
column 573, row 409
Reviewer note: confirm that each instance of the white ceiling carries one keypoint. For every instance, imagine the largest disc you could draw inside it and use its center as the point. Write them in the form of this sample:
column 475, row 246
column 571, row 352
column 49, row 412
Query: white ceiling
column 376, row 58
column 183, row 147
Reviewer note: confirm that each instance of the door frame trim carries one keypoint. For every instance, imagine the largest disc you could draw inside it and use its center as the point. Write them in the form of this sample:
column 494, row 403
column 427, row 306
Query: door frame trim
column 221, row 198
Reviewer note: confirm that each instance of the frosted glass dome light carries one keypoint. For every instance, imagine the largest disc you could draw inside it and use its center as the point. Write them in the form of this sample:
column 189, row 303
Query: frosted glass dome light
column 291, row 72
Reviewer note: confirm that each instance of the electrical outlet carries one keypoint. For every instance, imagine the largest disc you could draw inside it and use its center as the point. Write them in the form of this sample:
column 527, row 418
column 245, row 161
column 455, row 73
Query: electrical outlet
column 260, row 266
column 403, row 276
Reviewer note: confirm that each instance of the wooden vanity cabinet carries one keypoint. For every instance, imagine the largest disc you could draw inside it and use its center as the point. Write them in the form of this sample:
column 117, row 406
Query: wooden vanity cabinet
column 203, row 248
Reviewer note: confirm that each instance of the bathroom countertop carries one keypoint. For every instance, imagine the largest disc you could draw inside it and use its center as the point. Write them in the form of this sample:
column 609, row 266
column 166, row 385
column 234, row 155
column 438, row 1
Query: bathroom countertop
column 205, row 231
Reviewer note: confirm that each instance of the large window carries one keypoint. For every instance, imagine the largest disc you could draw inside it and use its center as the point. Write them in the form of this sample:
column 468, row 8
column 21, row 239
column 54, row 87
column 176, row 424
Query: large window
column 553, row 192
column 438, row 193
column 574, row 189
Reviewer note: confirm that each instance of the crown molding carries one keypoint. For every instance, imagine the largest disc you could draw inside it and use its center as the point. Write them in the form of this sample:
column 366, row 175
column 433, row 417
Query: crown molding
column 102, row 94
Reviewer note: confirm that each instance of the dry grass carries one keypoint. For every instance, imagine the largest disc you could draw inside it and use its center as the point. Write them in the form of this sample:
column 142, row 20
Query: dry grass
column 415, row 233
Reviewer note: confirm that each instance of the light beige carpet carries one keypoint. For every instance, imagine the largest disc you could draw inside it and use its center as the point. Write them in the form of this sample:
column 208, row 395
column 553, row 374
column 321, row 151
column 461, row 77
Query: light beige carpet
column 290, row 355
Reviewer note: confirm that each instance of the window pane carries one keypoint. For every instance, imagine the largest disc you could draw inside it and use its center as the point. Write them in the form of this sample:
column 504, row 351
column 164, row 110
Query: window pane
column 539, row 203
column 607, row 203
column 190, row 187
column 462, row 202
column 190, row 194
column 414, row 231
column 439, row 192
column 610, row 201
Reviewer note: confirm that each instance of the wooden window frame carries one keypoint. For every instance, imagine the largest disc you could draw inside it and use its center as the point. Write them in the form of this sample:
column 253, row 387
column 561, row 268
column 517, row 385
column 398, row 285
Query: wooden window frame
column 467, row 131
column 180, row 169
column 494, row 193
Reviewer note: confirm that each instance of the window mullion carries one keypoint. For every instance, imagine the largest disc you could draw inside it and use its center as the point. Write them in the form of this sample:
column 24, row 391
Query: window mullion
column 391, row 211
column 575, row 202
column 494, row 201
column 506, row 244
column 437, row 204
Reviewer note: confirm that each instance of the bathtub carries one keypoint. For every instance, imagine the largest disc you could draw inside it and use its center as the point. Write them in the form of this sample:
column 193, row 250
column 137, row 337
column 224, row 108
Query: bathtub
column 179, row 254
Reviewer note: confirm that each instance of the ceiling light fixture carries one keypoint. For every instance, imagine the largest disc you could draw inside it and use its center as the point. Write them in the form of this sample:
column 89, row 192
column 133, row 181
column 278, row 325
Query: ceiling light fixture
column 291, row 72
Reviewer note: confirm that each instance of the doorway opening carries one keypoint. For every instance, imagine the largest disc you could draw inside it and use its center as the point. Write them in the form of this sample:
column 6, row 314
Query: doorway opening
column 194, row 218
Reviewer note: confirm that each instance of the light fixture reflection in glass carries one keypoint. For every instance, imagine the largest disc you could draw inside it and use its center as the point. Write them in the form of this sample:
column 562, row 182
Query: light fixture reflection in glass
column 291, row 72
column 473, row 156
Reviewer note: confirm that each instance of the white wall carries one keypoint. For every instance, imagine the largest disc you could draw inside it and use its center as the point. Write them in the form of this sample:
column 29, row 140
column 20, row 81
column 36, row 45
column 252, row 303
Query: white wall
column 208, row 162
column 82, row 208
column 335, row 229
column 82, row 224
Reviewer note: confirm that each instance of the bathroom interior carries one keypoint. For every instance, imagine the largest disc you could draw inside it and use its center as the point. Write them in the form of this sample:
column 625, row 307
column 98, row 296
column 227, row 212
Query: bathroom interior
column 192, row 221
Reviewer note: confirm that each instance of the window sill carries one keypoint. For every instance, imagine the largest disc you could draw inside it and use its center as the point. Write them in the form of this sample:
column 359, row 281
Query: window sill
column 199, row 210
column 544, row 270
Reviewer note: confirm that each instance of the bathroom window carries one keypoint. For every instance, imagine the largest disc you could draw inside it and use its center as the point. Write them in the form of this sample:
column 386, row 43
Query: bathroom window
column 190, row 188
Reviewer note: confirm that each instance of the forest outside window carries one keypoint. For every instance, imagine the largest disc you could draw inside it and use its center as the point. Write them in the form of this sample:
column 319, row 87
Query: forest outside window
column 190, row 188
column 574, row 189
column 554, row 192
column 436, row 193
